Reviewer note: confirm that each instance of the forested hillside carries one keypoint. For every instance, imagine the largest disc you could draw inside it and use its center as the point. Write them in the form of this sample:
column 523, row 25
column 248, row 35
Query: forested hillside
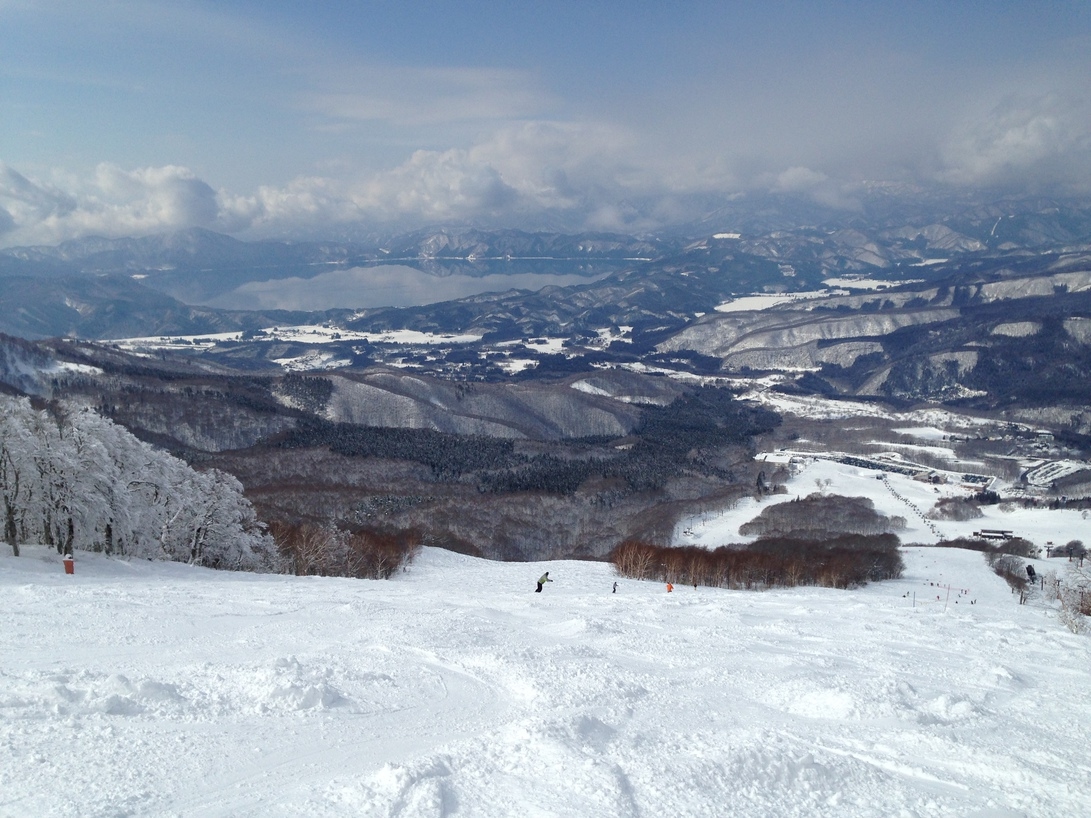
column 509, row 499
column 74, row 480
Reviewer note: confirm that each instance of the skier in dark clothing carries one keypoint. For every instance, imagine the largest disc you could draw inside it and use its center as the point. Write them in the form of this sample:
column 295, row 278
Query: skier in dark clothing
column 542, row 580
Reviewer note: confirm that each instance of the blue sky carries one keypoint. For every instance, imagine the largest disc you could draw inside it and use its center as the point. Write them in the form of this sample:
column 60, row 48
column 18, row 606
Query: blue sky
column 124, row 117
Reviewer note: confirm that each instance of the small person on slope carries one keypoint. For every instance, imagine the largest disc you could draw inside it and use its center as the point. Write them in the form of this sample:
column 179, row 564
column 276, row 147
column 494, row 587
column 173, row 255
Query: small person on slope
column 542, row 581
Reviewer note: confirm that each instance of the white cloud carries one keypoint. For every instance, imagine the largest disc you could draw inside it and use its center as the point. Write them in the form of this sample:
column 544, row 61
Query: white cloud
column 818, row 186
column 489, row 180
column 304, row 202
column 533, row 165
column 454, row 128
column 111, row 202
column 593, row 174
column 527, row 168
column 1039, row 141
column 145, row 198
column 25, row 202
column 798, row 179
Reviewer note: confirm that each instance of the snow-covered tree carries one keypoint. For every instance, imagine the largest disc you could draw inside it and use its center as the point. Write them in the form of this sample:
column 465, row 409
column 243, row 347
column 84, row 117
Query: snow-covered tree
column 75, row 480
column 16, row 447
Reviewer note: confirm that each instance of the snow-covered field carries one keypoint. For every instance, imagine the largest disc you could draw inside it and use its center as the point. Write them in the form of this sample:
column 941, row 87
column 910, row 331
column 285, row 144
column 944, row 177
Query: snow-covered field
column 867, row 283
column 152, row 689
column 895, row 496
column 307, row 334
column 764, row 301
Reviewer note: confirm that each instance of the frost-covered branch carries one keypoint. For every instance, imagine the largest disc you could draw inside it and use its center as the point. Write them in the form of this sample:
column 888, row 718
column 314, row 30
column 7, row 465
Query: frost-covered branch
column 77, row 481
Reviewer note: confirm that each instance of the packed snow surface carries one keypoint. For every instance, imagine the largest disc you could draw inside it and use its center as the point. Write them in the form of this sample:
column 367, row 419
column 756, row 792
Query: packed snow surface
column 154, row 689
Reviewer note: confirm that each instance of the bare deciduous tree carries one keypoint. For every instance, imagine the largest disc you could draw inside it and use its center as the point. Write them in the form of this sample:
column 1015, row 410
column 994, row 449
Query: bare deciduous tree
column 843, row 561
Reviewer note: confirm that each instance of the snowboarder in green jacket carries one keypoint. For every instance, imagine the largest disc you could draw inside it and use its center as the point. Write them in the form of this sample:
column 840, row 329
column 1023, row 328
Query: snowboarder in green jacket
column 542, row 580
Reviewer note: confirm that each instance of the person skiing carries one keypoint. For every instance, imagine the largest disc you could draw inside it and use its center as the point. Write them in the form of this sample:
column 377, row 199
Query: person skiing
column 542, row 580
column 615, row 587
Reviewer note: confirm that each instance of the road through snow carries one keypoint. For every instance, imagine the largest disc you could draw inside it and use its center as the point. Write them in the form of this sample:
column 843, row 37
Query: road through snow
column 151, row 689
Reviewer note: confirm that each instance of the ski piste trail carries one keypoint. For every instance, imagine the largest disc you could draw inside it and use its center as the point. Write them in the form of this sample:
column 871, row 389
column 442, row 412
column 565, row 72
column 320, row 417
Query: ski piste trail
column 155, row 689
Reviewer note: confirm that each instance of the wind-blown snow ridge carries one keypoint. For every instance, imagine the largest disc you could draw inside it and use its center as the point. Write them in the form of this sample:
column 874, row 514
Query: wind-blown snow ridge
column 160, row 689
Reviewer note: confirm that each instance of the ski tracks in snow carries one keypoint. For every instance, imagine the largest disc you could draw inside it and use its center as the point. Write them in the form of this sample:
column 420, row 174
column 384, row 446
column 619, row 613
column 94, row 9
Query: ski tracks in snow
column 456, row 690
column 449, row 706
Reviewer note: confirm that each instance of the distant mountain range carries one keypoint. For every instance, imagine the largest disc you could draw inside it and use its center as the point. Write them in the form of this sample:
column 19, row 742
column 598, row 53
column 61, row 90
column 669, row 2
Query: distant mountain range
column 986, row 304
column 109, row 288
column 558, row 420
column 196, row 265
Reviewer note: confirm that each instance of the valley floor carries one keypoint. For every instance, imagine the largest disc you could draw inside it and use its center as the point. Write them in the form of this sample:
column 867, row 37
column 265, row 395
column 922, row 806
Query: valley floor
column 139, row 688
column 895, row 495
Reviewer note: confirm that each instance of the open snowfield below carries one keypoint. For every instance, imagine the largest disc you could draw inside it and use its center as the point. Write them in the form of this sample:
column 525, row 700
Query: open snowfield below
column 151, row 689
column 896, row 495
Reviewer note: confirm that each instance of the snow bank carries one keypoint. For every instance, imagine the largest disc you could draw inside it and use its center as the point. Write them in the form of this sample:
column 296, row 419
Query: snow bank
column 140, row 688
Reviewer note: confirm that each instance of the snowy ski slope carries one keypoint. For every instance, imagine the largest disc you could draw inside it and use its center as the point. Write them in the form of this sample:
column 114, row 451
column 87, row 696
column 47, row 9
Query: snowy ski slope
column 153, row 689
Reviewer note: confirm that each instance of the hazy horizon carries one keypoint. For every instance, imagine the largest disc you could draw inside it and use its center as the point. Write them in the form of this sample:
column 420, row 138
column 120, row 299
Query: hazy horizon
column 260, row 119
column 385, row 285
